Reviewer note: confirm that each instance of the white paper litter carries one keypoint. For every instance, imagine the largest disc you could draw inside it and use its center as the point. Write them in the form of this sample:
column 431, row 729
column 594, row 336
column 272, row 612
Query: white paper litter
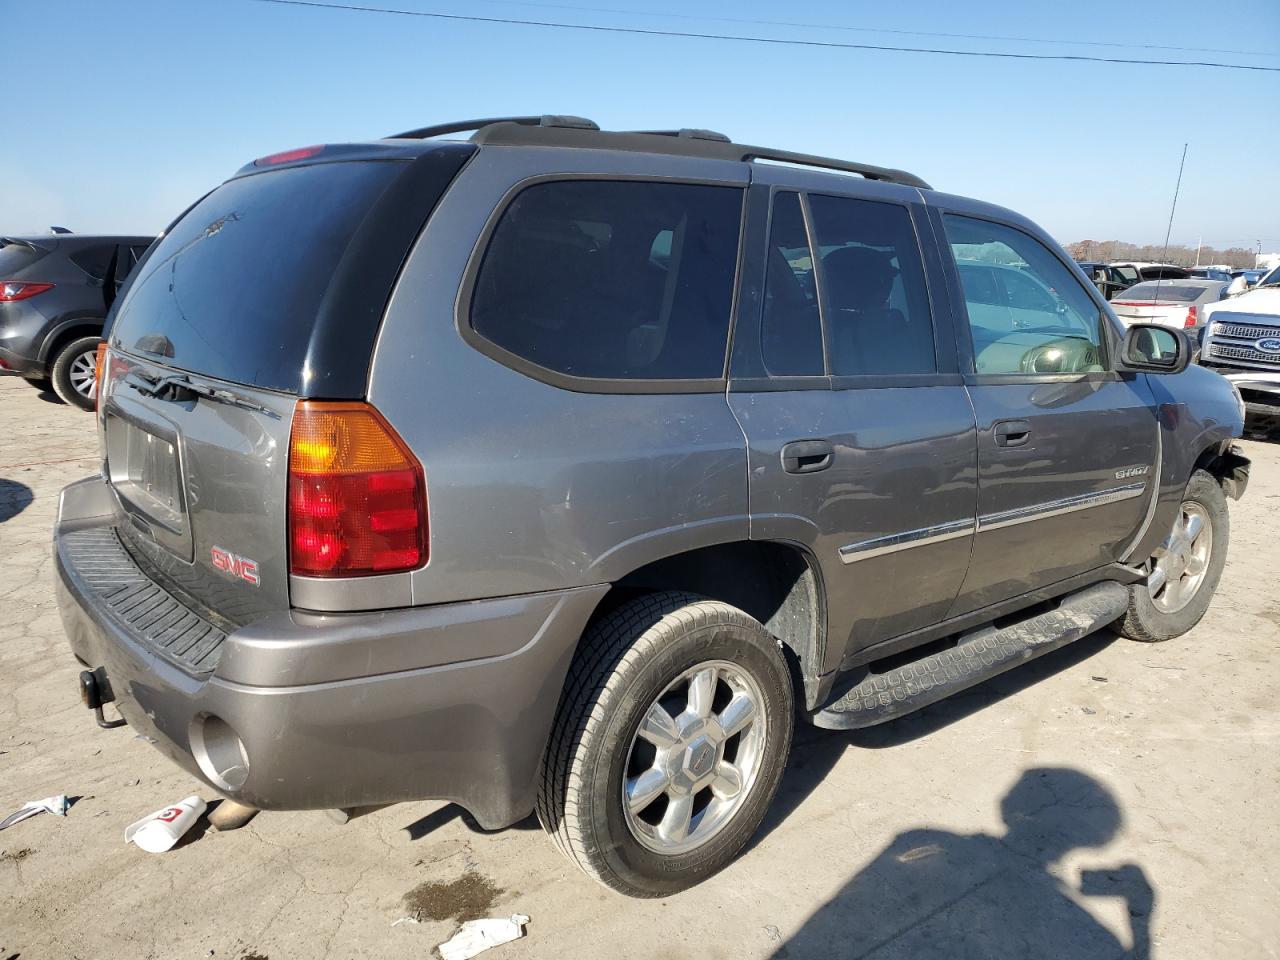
column 477, row 936
column 159, row 831
column 56, row 805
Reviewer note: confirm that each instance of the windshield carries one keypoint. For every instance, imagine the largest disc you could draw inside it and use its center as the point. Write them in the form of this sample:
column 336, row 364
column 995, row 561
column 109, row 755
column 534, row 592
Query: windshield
column 233, row 290
column 1163, row 291
column 1272, row 279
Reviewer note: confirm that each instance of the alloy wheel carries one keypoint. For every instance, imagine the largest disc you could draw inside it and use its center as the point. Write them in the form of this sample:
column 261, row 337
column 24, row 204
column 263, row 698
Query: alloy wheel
column 1179, row 565
column 695, row 757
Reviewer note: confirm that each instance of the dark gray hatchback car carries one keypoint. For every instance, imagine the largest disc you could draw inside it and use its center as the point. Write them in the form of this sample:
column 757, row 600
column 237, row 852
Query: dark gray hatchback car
column 55, row 292
column 561, row 469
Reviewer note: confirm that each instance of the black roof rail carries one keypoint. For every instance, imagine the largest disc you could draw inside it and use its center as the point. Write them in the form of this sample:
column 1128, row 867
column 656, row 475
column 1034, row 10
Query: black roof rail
column 465, row 126
column 686, row 142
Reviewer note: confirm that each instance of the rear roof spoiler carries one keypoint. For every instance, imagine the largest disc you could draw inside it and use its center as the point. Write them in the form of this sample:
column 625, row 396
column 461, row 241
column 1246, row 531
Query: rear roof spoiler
column 33, row 244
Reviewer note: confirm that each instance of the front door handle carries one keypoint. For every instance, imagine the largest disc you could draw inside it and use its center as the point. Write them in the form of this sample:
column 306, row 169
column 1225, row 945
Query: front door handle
column 807, row 456
column 1012, row 433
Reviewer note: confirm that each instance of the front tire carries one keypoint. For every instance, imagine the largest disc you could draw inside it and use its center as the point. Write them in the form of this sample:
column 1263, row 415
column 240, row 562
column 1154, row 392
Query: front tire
column 72, row 372
column 1184, row 572
column 670, row 740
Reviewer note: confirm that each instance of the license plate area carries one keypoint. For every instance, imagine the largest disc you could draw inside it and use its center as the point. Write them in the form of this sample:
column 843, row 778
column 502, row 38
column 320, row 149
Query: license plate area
column 144, row 465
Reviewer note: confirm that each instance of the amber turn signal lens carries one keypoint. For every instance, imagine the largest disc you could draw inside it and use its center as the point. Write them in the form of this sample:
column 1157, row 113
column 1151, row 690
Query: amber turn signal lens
column 357, row 496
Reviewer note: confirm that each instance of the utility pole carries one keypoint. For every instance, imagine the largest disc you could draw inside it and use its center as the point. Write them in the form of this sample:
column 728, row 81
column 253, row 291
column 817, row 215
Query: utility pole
column 1199, row 244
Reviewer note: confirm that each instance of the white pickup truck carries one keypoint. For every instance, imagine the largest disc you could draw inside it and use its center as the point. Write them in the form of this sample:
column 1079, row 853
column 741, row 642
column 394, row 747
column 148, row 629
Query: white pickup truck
column 1242, row 342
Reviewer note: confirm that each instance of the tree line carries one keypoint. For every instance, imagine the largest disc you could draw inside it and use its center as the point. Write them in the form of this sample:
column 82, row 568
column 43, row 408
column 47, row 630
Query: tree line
column 1183, row 256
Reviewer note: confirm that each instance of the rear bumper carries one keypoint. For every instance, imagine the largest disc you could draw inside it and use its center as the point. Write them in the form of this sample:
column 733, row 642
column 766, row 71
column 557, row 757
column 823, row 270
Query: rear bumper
column 307, row 711
column 12, row 362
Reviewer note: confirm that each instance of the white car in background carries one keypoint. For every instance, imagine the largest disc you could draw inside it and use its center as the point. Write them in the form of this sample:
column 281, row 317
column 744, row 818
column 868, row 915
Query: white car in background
column 1174, row 303
column 1241, row 340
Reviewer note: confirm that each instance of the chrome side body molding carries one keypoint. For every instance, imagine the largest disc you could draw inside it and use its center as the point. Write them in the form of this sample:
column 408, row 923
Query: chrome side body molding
column 880, row 546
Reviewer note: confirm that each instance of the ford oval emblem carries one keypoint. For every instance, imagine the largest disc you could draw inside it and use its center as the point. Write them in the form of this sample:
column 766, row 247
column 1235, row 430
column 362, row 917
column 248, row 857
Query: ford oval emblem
column 1269, row 345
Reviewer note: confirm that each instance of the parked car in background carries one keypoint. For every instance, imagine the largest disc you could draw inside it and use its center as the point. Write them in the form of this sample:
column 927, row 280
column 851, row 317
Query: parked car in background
column 1173, row 303
column 1135, row 271
column 1241, row 340
column 54, row 295
column 564, row 470
column 1108, row 279
column 1210, row 273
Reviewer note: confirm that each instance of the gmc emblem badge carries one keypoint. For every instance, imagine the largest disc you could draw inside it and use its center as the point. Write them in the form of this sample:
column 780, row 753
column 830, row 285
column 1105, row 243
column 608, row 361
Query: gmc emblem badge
column 242, row 568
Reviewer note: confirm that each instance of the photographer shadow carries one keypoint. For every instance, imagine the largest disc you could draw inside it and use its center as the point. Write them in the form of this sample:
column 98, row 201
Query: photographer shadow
column 936, row 894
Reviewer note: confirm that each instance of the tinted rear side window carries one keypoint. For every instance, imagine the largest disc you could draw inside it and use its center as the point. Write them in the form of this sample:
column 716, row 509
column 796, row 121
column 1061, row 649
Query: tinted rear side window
column 876, row 301
column 232, row 291
column 613, row 280
column 95, row 261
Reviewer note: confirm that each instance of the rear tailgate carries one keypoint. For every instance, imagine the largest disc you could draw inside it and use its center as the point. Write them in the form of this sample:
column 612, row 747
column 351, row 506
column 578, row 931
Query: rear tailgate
column 201, row 486
column 217, row 336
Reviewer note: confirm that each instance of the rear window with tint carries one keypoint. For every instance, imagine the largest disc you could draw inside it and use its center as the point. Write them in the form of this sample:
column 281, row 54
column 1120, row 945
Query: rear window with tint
column 1161, row 291
column 232, row 291
column 613, row 280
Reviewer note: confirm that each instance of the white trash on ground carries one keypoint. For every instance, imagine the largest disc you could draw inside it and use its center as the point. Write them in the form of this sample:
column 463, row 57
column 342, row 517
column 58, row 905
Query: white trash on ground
column 56, row 805
column 157, row 832
column 477, row 936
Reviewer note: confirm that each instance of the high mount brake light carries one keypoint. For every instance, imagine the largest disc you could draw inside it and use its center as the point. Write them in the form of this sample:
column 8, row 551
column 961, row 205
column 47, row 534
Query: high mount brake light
column 287, row 156
column 357, row 495
column 13, row 290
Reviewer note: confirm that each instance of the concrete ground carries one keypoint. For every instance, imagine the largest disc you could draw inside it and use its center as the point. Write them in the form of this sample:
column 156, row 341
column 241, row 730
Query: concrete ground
column 1111, row 799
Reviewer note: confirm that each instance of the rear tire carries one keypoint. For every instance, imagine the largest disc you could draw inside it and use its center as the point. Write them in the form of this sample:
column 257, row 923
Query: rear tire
column 646, row 797
column 1185, row 569
column 72, row 372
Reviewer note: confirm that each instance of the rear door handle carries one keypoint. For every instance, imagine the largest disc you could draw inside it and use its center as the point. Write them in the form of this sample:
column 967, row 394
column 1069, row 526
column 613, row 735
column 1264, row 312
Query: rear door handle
column 1012, row 433
column 807, row 456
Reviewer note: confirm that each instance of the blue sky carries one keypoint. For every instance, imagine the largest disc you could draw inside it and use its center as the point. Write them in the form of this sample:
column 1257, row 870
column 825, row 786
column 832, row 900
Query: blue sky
column 122, row 113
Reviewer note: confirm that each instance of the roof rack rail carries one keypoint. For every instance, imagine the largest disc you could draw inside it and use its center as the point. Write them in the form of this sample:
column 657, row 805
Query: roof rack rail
column 685, row 142
column 689, row 132
column 465, row 126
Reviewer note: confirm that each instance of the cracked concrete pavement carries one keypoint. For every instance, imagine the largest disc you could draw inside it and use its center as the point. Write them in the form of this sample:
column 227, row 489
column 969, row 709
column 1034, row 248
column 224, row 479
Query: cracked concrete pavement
column 1109, row 799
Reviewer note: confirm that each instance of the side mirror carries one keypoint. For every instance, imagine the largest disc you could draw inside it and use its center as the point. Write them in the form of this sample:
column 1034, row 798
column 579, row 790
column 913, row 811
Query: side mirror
column 1151, row 348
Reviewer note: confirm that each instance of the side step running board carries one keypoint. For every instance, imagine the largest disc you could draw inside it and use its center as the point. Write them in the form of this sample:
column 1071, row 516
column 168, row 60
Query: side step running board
column 979, row 655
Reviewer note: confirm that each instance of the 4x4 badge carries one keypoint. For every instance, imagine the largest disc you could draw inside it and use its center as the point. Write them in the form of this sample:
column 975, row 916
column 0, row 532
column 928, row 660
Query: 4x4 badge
column 242, row 568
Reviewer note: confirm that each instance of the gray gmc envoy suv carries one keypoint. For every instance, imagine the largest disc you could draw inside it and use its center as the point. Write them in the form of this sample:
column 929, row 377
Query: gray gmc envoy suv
column 561, row 470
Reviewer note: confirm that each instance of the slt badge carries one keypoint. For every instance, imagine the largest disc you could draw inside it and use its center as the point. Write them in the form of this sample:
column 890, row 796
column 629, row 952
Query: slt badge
column 1132, row 472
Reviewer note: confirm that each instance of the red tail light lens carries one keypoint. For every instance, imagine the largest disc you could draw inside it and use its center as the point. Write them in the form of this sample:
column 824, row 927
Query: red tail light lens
column 1191, row 317
column 99, row 363
column 11, row 290
column 357, row 496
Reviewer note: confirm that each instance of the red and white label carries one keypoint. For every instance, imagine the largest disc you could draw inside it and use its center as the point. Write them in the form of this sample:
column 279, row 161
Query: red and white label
column 242, row 568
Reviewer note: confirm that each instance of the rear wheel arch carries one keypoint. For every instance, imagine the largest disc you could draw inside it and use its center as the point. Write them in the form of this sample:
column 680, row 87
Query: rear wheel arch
column 779, row 583
column 64, row 332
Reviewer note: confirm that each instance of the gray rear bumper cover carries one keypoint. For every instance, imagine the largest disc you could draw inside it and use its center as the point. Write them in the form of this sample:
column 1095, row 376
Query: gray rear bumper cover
column 451, row 702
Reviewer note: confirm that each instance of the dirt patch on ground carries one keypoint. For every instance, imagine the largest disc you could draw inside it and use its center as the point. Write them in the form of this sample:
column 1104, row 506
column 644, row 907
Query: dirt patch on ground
column 16, row 856
column 468, row 897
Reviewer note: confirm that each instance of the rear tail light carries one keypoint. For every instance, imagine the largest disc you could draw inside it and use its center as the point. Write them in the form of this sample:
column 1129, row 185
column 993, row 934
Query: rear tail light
column 11, row 290
column 357, row 495
column 1191, row 317
column 98, row 366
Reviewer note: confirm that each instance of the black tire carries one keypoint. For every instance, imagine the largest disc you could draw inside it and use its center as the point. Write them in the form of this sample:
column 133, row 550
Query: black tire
column 1144, row 621
column 65, row 368
column 625, row 662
